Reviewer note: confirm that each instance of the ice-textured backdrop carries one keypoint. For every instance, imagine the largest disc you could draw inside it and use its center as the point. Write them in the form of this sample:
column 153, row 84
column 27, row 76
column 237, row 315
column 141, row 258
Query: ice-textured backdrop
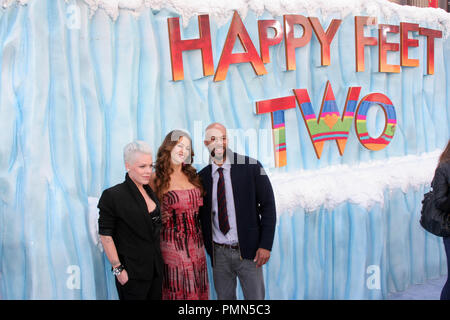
column 80, row 79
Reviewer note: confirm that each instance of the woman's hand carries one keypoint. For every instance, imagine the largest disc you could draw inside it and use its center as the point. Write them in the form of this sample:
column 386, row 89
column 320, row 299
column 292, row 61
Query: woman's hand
column 165, row 217
column 123, row 277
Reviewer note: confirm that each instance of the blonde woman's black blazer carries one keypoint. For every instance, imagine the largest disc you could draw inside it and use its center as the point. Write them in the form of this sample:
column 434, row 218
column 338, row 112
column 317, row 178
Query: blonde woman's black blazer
column 124, row 216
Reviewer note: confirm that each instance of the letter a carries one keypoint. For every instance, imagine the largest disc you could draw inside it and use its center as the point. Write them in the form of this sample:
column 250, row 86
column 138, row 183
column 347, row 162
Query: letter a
column 237, row 30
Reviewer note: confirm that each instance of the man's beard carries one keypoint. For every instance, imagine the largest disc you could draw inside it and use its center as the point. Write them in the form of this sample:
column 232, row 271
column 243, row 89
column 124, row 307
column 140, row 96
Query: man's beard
column 213, row 154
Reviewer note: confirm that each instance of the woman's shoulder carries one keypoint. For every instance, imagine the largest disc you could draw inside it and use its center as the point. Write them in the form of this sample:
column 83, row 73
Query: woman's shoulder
column 444, row 167
column 442, row 174
column 112, row 194
column 118, row 188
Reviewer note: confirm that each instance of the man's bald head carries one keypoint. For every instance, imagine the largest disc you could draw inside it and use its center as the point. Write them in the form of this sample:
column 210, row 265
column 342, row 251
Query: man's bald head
column 216, row 125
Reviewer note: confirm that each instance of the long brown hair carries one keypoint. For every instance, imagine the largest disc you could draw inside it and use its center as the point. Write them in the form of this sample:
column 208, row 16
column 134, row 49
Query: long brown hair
column 445, row 156
column 163, row 168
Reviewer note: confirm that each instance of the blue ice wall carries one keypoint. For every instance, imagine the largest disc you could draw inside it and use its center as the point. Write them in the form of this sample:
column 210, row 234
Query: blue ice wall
column 72, row 96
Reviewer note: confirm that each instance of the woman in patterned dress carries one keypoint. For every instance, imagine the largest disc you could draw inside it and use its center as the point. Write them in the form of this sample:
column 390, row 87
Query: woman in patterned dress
column 180, row 192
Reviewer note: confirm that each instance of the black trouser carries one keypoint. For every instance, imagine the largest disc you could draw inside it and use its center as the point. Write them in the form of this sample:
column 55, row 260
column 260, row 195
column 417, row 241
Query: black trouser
column 140, row 289
column 445, row 294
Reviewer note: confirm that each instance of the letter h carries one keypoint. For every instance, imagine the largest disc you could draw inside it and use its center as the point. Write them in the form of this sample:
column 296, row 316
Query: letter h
column 177, row 46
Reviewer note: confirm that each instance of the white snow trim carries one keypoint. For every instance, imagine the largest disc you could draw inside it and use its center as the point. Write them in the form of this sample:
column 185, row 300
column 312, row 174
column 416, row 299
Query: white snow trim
column 222, row 11
column 362, row 184
column 7, row 3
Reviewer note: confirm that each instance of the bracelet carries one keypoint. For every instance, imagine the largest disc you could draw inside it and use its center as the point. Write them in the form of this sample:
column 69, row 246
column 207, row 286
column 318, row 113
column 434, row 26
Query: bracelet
column 117, row 270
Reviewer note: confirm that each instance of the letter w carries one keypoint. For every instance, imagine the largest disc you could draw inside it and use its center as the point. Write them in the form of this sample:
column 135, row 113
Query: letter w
column 330, row 125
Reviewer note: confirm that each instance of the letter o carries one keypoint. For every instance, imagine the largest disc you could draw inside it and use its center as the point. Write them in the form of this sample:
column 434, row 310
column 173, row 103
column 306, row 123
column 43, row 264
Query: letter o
column 387, row 135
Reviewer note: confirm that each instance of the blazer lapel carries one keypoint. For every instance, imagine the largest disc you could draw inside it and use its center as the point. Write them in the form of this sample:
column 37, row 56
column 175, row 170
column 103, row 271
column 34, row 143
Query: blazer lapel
column 209, row 186
column 143, row 225
column 235, row 174
column 208, row 181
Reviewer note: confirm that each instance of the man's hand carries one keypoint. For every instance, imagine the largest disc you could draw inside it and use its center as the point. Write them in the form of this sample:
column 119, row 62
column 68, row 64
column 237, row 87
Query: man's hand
column 262, row 256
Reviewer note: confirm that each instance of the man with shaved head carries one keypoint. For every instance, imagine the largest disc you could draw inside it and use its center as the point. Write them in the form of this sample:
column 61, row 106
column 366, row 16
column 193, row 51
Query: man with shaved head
column 238, row 217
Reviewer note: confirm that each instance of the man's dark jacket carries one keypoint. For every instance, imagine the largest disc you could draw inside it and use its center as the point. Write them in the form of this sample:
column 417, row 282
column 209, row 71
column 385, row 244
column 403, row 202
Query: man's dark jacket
column 253, row 201
column 124, row 216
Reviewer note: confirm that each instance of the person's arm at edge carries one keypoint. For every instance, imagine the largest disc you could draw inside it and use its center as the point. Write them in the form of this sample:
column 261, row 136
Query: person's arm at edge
column 266, row 200
column 106, row 223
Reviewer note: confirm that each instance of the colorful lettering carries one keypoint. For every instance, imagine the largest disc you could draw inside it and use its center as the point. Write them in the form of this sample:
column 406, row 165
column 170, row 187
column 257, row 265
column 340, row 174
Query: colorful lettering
column 330, row 125
column 276, row 109
column 386, row 136
column 237, row 30
column 177, row 46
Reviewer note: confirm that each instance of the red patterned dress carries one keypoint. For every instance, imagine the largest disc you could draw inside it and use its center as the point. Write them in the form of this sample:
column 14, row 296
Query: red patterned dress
column 185, row 272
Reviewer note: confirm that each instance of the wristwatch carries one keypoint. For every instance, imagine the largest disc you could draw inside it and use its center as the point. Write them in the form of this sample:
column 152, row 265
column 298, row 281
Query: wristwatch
column 117, row 270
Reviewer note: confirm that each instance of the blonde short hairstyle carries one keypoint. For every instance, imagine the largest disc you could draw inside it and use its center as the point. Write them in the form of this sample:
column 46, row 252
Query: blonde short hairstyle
column 130, row 150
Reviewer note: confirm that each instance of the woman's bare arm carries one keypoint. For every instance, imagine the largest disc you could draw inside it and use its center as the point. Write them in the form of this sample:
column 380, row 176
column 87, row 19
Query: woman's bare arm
column 113, row 257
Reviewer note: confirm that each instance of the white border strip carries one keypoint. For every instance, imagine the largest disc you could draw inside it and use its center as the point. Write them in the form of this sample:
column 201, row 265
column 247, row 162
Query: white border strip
column 362, row 184
column 222, row 11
